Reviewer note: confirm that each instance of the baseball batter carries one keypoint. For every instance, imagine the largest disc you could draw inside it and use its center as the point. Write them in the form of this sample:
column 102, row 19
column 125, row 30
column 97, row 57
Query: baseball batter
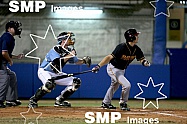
column 52, row 66
column 118, row 62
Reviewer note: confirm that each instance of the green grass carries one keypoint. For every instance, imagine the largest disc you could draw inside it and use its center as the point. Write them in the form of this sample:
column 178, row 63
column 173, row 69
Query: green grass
column 163, row 104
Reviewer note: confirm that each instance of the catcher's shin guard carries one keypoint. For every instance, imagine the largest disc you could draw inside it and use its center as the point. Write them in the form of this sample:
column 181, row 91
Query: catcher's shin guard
column 37, row 96
column 66, row 94
column 76, row 84
column 60, row 100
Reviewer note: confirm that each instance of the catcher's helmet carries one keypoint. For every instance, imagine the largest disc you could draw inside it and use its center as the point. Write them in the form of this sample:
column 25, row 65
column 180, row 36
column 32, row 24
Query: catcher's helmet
column 66, row 36
column 130, row 35
column 16, row 25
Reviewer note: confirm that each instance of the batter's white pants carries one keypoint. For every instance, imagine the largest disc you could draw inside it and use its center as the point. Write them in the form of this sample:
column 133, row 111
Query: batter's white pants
column 117, row 79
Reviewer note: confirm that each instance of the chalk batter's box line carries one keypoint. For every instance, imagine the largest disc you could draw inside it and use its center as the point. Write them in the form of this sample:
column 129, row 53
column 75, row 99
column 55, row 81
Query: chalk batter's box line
column 140, row 112
column 168, row 114
column 159, row 113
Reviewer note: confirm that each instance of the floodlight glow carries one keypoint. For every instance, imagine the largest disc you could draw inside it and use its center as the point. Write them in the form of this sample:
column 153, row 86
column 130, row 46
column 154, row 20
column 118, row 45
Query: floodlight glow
column 82, row 11
column 74, row 12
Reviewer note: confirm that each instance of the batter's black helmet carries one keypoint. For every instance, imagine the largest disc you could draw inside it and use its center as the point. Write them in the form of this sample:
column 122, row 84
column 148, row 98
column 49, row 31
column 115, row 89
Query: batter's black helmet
column 66, row 35
column 130, row 35
column 16, row 25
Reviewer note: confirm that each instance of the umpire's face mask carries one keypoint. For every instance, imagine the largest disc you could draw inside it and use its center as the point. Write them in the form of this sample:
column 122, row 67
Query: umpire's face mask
column 17, row 28
column 16, row 25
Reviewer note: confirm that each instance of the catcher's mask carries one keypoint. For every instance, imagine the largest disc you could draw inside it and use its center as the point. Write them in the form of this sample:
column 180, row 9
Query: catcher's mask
column 130, row 35
column 69, row 36
column 16, row 25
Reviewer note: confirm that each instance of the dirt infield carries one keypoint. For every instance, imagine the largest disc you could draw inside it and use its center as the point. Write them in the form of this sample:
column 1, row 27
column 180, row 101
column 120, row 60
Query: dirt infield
column 47, row 113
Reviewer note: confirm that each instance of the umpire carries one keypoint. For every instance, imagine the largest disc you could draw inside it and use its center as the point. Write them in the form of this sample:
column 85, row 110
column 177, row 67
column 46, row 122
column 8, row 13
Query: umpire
column 8, row 81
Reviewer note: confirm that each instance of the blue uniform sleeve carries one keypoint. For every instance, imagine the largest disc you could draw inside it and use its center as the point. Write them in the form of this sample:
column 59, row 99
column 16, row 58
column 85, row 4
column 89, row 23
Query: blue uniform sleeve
column 73, row 60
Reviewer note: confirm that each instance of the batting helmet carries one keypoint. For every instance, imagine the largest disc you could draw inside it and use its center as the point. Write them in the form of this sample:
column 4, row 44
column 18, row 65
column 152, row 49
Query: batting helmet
column 130, row 35
column 16, row 25
column 66, row 36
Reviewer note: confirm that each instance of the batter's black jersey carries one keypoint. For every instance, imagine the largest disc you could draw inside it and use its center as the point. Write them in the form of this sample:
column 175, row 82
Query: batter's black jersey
column 124, row 54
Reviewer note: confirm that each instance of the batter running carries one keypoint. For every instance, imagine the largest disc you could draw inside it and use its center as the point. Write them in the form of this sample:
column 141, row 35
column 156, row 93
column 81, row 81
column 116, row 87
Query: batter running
column 118, row 61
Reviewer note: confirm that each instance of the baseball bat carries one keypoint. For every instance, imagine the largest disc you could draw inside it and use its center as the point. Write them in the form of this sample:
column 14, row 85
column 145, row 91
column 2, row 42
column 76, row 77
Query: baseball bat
column 69, row 75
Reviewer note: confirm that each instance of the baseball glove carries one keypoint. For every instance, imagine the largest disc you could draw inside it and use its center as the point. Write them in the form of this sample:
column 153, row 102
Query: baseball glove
column 87, row 60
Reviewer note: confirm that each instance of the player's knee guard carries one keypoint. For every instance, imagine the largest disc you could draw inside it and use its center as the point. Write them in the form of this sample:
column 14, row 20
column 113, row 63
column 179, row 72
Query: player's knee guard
column 49, row 85
column 76, row 84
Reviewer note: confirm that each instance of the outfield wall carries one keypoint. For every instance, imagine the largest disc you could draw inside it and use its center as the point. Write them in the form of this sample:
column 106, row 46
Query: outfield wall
column 178, row 72
column 155, row 81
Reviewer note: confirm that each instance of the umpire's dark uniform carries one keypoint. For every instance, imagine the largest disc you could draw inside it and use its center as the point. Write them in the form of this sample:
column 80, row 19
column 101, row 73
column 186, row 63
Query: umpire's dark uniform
column 8, row 81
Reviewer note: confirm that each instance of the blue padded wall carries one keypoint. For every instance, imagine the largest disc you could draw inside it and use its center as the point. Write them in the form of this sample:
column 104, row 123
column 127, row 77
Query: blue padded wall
column 94, row 85
column 140, row 74
column 178, row 62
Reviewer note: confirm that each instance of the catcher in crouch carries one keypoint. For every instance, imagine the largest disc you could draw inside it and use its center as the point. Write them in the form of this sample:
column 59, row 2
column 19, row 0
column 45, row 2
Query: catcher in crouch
column 52, row 66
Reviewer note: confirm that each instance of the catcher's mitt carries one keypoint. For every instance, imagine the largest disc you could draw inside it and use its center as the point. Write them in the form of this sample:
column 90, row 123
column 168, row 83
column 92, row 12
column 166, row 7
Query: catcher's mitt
column 87, row 60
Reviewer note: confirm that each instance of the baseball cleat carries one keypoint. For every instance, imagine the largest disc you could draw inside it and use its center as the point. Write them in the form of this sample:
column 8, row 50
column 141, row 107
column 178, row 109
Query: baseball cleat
column 107, row 106
column 123, row 106
column 62, row 104
column 2, row 105
column 13, row 103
